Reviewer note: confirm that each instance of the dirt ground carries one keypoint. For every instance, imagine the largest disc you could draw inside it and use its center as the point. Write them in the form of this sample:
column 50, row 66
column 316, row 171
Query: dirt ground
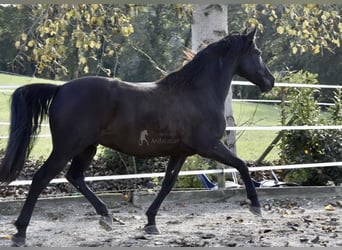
column 293, row 223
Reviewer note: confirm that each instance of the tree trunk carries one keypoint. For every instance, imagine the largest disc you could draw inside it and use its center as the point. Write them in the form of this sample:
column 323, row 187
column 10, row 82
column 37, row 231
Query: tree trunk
column 210, row 23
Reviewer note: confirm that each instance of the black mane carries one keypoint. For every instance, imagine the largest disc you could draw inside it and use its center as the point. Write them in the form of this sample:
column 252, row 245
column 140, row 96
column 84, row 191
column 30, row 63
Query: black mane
column 229, row 45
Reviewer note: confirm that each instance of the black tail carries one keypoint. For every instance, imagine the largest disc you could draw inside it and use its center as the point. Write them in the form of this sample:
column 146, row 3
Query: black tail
column 29, row 105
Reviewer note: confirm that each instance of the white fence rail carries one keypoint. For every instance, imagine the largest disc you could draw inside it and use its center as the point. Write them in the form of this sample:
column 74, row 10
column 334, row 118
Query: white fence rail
column 265, row 128
column 9, row 89
column 182, row 173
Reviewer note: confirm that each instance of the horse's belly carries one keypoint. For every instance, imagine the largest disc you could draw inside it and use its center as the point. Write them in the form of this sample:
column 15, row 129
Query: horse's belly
column 146, row 143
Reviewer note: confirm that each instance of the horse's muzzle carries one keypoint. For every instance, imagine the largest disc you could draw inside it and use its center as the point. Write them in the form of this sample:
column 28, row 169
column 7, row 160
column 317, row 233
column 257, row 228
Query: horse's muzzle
column 268, row 84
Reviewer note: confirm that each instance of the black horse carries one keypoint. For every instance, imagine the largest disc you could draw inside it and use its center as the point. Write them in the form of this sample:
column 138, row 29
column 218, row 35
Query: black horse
column 177, row 116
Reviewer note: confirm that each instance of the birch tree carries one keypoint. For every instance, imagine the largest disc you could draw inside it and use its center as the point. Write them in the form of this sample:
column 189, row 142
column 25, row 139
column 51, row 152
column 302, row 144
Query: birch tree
column 209, row 25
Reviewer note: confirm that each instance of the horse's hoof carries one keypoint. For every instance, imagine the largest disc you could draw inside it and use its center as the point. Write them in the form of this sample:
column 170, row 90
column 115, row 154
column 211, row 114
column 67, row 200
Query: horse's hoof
column 106, row 222
column 151, row 229
column 18, row 241
column 256, row 210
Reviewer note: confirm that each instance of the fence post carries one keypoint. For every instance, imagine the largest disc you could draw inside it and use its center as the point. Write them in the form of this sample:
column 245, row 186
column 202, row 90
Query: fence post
column 221, row 179
column 282, row 106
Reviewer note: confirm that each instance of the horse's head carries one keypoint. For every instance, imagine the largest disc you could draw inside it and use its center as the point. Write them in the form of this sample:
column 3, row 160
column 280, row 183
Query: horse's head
column 251, row 65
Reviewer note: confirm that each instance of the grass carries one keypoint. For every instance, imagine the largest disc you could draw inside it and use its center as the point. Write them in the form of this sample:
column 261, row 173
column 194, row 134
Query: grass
column 43, row 145
column 250, row 144
column 14, row 80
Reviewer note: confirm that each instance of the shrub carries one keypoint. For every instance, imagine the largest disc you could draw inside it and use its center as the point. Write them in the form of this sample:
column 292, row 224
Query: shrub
column 194, row 162
column 120, row 163
column 311, row 146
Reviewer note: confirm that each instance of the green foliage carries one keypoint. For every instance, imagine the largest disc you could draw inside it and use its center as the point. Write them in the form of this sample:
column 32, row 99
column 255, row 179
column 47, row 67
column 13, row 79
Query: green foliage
column 89, row 29
column 69, row 41
column 161, row 31
column 157, row 44
column 278, row 48
column 310, row 146
column 120, row 163
column 194, row 162
column 11, row 24
column 311, row 27
column 335, row 111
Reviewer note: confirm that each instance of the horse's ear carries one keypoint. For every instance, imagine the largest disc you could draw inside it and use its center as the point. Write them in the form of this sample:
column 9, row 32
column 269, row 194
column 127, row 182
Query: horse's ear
column 245, row 31
column 251, row 34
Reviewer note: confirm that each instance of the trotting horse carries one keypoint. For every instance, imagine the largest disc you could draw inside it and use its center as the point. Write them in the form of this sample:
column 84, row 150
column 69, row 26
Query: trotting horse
column 177, row 116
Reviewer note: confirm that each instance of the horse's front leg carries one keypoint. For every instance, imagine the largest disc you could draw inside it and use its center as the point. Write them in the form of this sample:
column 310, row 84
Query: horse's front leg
column 221, row 154
column 172, row 171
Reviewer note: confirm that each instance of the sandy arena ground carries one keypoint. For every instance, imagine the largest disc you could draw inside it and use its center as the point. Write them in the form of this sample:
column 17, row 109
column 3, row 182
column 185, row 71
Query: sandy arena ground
column 285, row 222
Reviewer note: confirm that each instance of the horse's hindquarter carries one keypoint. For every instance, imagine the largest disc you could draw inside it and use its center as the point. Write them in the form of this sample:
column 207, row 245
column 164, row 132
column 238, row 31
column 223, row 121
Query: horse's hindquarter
column 80, row 110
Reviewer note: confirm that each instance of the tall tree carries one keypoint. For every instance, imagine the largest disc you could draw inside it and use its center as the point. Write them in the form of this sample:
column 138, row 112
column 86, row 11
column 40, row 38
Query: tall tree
column 210, row 24
column 87, row 32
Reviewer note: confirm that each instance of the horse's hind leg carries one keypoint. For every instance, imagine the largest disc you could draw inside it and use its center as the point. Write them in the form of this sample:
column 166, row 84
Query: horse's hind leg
column 52, row 166
column 76, row 177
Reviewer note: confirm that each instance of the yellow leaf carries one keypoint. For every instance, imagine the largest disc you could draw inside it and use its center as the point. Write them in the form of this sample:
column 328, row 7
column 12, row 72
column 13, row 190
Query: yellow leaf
column 116, row 30
column 17, row 44
column 316, row 49
column 292, row 32
column 92, row 44
column 340, row 27
column 125, row 31
column 314, row 33
column 311, row 6
column 329, row 207
column 130, row 28
column 327, row 14
column 31, row 43
column 86, row 69
column 336, row 41
column 280, row 30
column 6, row 237
column 98, row 45
column 294, row 50
column 68, row 15
column 83, row 60
column 23, row 37
column 111, row 52
column 35, row 55
column 94, row 6
column 78, row 44
column 93, row 20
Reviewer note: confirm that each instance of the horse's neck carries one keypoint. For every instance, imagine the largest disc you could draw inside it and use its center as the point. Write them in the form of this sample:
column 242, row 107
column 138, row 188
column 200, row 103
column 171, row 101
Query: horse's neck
column 219, row 84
